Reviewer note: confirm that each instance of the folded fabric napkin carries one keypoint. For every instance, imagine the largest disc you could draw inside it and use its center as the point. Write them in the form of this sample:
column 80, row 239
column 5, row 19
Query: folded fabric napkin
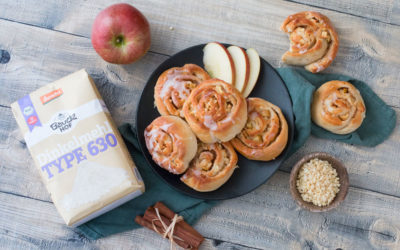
column 122, row 218
column 379, row 123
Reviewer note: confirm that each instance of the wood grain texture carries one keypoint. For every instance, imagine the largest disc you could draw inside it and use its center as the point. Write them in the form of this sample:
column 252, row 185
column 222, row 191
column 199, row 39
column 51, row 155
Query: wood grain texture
column 266, row 218
column 269, row 218
column 51, row 55
column 368, row 49
column 121, row 87
column 31, row 224
column 49, row 40
column 368, row 168
column 386, row 11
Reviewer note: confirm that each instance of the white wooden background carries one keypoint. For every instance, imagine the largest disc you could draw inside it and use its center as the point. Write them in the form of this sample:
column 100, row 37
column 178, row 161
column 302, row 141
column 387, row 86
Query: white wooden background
column 49, row 39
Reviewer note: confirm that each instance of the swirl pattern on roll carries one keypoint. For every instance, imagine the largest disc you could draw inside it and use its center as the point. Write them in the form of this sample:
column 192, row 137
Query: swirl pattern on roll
column 174, row 86
column 171, row 143
column 212, row 166
column 215, row 111
column 313, row 41
column 265, row 134
column 338, row 107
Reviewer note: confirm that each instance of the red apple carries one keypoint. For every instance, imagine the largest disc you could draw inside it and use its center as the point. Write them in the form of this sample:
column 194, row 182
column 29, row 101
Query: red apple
column 121, row 34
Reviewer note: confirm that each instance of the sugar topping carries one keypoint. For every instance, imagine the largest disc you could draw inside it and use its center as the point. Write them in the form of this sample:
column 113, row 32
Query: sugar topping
column 318, row 182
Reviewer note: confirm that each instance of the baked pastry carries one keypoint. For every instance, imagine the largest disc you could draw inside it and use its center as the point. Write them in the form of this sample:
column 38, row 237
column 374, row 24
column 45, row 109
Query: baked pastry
column 313, row 41
column 338, row 107
column 215, row 111
column 174, row 86
column 266, row 132
column 212, row 166
column 171, row 143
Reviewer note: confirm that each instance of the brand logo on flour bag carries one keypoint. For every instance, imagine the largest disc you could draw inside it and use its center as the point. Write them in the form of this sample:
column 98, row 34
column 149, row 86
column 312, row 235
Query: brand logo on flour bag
column 32, row 120
column 51, row 95
column 28, row 110
column 63, row 122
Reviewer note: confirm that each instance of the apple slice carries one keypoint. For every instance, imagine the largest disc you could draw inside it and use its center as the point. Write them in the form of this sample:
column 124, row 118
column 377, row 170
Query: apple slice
column 242, row 67
column 218, row 62
column 254, row 60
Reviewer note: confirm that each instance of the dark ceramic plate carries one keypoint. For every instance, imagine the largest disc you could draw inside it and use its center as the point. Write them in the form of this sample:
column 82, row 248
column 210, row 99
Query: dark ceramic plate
column 250, row 174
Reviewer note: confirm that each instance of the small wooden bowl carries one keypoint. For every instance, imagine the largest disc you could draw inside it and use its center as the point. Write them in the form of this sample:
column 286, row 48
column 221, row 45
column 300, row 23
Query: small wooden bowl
column 343, row 179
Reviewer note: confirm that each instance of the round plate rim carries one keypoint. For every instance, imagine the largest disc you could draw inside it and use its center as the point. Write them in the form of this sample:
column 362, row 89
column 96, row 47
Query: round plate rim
column 201, row 194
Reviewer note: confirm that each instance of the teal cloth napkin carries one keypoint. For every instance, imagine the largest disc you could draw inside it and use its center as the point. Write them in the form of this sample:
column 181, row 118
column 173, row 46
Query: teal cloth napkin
column 122, row 218
column 379, row 123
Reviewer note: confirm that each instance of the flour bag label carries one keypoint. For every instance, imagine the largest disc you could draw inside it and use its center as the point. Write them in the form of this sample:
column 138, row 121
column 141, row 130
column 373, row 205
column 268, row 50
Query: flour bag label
column 77, row 149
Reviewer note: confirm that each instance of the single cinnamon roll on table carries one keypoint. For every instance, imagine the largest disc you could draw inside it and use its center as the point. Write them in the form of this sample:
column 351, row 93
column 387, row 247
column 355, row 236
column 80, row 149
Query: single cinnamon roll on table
column 174, row 86
column 171, row 143
column 313, row 41
column 215, row 111
column 338, row 107
column 212, row 166
column 265, row 134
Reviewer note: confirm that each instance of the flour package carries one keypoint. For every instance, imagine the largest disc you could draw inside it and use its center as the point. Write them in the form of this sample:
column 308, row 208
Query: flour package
column 77, row 149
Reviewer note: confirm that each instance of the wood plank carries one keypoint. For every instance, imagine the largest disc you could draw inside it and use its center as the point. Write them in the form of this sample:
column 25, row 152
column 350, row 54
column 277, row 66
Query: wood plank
column 368, row 51
column 7, row 124
column 40, row 56
column 368, row 168
column 30, row 224
column 265, row 218
column 268, row 218
column 372, row 168
column 386, row 11
column 121, row 87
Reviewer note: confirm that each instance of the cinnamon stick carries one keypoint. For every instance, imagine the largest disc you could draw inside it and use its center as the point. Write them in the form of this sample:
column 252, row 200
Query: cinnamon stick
column 170, row 214
column 145, row 223
column 183, row 234
column 188, row 235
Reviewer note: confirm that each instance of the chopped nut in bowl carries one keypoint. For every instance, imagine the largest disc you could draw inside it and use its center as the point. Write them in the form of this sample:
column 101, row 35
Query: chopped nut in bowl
column 319, row 182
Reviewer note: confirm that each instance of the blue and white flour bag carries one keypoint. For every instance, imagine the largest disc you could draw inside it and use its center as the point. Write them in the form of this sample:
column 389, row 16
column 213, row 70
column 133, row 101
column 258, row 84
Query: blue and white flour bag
column 77, row 149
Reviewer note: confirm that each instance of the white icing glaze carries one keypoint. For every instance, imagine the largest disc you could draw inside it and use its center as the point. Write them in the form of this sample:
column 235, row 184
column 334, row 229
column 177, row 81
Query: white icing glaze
column 319, row 68
column 303, row 51
column 253, row 152
column 226, row 120
column 196, row 172
column 165, row 126
column 151, row 142
column 172, row 84
column 253, row 115
column 328, row 102
column 210, row 123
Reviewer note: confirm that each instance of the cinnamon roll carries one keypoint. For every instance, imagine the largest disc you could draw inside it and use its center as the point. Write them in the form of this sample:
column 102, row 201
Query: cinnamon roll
column 265, row 134
column 171, row 143
column 212, row 166
column 338, row 107
column 174, row 86
column 215, row 111
column 313, row 41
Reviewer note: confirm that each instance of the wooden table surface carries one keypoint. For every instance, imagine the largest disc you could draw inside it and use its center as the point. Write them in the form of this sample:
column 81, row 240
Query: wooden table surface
column 41, row 41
